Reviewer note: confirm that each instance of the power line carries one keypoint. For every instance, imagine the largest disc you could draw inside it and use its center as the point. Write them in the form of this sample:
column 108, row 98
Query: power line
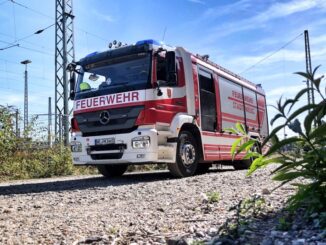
column 10, row 46
column 30, row 49
column 270, row 55
column 52, row 18
column 32, row 84
column 32, row 94
column 31, row 43
column 14, row 44
column 31, row 9
column 16, row 73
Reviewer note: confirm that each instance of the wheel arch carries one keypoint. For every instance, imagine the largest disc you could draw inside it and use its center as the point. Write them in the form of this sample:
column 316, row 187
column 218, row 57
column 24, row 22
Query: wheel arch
column 194, row 130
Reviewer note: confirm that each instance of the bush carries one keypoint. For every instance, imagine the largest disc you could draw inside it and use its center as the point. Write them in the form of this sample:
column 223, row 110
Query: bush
column 308, row 158
column 22, row 158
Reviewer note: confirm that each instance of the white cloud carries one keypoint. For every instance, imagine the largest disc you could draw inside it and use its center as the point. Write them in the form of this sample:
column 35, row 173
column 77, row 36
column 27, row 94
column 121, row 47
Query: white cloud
column 314, row 40
column 297, row 56
column 226, row 9
column 197, row 1
column 285, row 90
column 275, row 11
column 11, row 99
column 279, row 10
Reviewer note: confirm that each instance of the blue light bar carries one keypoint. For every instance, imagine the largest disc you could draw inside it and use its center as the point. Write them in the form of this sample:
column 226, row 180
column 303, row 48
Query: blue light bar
column 148, row 41
column 91, row 54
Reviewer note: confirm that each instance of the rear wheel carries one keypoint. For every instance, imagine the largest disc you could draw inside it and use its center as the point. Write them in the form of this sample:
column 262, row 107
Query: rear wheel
column 245, row 164
column 112, row 170
column 187, row 156
column 203, row 168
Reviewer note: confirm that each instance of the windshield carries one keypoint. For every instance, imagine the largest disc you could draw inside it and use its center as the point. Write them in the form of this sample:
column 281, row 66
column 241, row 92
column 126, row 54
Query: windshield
column 104, row 78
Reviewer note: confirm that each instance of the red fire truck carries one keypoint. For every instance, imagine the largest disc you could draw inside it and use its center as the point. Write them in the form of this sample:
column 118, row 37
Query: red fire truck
column 153, row 103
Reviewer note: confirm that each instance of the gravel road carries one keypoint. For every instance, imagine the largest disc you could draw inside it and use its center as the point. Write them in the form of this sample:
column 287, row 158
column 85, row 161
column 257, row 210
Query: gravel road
column 140, row 208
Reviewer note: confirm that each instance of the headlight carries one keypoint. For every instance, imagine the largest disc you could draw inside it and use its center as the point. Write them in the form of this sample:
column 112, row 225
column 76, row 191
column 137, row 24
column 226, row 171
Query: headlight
column 140, row 142
column 76, row 146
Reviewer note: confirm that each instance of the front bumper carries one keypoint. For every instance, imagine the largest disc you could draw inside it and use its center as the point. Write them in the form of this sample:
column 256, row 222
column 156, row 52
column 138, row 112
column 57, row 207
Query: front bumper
column 121, row 152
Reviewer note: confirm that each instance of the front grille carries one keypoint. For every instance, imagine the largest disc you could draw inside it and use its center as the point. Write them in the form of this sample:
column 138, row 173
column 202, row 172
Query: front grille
column 109, row 147
column 122, row 120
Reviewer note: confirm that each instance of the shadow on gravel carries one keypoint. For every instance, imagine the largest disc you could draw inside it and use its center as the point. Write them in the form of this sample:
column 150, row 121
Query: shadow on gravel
column 58, row 185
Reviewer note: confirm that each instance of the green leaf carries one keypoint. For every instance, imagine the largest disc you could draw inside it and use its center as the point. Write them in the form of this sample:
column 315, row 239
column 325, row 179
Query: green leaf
column 310, row 117
column 252, row 155
column 289, row 101
column 314, row 71
column 246, row 145
column 277, row 116
column 240, row 128
column 305, row 75
column 272, row 134
column 316, row 82
column 257, row 163
column 320, row 131
column 287, row 165
column 298, row 96
column 282, row 143
column 231, row 130
column 262, row 161
column 234, row 146
column 299, row 111
column 282, row 176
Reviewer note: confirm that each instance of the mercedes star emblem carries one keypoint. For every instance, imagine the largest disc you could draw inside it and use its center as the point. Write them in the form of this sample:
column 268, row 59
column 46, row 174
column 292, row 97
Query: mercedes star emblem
column 104, row 117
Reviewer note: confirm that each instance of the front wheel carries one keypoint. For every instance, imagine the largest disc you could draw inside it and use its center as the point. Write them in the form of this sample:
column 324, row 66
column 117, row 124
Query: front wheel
column 187, row 156
column 112, row 170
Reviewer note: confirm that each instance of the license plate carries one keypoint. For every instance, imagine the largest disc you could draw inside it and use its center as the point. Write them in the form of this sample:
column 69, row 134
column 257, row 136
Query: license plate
column 104, row 141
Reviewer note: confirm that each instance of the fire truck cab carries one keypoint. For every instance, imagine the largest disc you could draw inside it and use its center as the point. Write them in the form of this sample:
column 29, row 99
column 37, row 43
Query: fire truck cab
column 153, row 103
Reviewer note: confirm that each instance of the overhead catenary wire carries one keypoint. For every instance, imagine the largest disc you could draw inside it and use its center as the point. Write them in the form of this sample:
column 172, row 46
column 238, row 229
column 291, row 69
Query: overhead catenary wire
column 30, row 49
column 25, row 41
column 14, row 19
column 31, row 9
column 32, row 76
column 10, row 46
column 14, row 44
column 52, row 18
column 271, row 54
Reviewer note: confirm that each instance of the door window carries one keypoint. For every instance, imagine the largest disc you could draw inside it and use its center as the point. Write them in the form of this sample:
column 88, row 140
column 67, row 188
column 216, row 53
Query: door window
column 207, row 101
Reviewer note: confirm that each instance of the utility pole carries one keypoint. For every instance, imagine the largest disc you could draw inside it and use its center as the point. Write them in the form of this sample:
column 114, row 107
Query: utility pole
column 26, row 62
column 64, row 54
column 17, row 120
column 311, row 96
column 49, row 123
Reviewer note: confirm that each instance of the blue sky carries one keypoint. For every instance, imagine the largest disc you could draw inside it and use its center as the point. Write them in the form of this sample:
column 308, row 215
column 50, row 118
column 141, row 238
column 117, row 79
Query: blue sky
column 236, row 35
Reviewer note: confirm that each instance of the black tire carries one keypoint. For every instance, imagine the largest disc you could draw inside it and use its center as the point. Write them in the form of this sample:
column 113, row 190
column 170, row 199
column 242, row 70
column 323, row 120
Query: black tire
column 243, row 164
column 203, row 168
column 187, row 156
column 112, row 170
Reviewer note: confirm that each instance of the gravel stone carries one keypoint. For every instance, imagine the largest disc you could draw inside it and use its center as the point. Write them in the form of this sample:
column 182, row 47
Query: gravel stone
column 144, row 208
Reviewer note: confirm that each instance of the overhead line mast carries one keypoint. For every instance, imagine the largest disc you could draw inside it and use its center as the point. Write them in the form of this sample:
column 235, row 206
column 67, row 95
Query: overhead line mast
column 64, row 54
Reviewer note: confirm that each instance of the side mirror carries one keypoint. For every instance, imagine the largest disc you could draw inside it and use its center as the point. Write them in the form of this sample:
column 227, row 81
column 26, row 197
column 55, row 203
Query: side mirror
column 171, row 67
column 72, row 83
column 157, row 86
